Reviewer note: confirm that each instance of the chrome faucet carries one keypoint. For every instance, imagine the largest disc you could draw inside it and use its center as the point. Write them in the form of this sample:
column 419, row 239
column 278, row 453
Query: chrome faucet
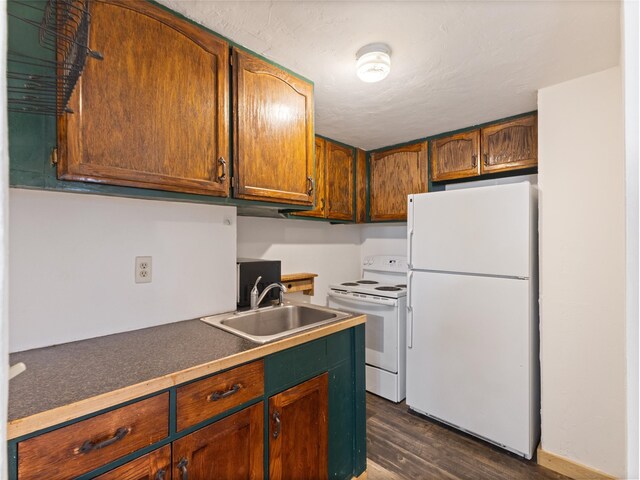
column 255, row 299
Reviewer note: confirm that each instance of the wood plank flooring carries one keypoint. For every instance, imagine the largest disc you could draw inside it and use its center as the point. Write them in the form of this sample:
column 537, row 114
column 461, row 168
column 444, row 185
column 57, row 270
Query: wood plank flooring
column 403, row 446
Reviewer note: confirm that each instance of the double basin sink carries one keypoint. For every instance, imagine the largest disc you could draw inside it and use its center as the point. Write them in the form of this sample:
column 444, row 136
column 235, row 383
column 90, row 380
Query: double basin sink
column 268, row 324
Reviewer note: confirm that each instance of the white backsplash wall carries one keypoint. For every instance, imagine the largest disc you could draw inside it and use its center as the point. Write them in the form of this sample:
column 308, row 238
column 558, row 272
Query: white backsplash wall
column 331, row 251
column 72, row 260
column 383, row 239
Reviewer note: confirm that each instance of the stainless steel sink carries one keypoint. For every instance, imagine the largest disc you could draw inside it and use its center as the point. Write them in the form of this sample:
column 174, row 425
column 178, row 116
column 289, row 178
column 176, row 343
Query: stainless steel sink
column 272, row 323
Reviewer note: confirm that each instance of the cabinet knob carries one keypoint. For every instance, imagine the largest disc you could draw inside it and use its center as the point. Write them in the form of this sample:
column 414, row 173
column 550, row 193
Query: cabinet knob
column 223, row 163
column 276, row 419
column 309, row 186
column 182, row 467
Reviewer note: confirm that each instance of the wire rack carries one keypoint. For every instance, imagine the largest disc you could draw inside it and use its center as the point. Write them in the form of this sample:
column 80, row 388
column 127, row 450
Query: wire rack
column 43, row 83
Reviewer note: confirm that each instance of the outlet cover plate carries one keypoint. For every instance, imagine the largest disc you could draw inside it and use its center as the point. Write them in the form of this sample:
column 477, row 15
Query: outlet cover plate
column 143, row 270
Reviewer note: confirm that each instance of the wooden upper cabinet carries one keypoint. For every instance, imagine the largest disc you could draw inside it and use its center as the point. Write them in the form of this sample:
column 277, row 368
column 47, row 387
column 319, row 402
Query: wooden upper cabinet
column 510, row 145
column 361, row 186
column 456, row 156
column 298, row 431
column 154, row 113
column 273, row 133
column 394, row 174
column 339, row 181
column 320, row 198
column 229, row 448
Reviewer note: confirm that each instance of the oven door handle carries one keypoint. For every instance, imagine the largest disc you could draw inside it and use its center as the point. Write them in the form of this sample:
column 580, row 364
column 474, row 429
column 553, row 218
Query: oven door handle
column 382, row 301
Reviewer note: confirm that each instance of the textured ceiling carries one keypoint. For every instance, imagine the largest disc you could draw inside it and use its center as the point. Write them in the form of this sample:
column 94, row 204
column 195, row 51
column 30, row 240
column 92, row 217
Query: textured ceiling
column 453, row 64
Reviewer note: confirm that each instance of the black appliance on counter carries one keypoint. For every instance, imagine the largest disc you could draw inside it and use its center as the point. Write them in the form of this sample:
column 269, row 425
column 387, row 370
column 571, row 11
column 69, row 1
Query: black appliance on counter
column 249, row 269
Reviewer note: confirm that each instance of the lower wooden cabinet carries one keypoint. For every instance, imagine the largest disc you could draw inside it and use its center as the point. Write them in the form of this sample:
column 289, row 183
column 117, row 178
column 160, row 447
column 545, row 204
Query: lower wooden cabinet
column 152, row 466
column 229, row 448
column 298, row 431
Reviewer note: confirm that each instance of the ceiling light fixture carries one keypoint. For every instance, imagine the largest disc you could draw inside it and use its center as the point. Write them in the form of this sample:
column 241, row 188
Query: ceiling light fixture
column 373, row 62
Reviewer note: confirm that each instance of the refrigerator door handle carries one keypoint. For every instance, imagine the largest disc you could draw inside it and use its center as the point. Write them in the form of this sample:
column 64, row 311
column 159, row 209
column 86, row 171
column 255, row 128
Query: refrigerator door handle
column 410, row 231
column 409, row 312
column 410, row 263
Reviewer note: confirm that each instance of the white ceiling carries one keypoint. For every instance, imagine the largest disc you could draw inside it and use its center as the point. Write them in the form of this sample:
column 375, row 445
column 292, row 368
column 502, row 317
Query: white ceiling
column 453, row 64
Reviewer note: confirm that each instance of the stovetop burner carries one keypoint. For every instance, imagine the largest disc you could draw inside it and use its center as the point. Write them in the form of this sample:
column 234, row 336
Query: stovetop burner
column 349, row 284
column 388, row 289
column 367, row 282
column 402, row 285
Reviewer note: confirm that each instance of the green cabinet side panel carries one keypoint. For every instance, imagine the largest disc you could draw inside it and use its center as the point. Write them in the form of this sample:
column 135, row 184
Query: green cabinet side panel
column 360, row 448
column 341, row 421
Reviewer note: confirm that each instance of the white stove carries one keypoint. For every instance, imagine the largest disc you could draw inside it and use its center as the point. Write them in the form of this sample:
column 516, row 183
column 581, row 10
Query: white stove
column 381, row 295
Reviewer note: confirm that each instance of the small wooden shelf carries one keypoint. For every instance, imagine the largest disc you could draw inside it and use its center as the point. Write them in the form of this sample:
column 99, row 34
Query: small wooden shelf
column 299, row 282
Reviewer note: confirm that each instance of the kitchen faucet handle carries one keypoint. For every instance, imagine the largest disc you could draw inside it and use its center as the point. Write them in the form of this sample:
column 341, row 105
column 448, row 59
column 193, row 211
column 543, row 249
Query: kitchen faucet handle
column 255, row 285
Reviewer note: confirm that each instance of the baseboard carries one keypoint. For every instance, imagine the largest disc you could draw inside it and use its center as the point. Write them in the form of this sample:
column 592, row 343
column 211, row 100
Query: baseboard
column 570, row 468
column 362, row 476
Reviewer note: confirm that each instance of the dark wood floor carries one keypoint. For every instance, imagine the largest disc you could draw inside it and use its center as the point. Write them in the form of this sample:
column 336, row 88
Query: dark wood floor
column 403, row 446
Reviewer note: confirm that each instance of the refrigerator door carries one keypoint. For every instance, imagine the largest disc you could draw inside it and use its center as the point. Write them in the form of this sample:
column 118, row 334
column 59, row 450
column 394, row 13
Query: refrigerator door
column 470, row 364
column 485, row 230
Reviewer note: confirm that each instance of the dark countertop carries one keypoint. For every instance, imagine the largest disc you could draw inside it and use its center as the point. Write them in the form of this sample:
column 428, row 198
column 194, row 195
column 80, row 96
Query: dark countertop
column 67, row 381
column 67, row 373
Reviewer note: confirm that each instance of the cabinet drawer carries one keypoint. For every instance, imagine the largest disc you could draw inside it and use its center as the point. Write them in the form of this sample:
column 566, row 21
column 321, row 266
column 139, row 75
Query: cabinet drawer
column 79, row 448
column 210, row 397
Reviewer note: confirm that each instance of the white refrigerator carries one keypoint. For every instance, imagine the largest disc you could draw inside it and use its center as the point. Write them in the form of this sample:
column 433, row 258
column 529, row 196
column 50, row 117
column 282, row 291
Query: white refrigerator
column 472, row 312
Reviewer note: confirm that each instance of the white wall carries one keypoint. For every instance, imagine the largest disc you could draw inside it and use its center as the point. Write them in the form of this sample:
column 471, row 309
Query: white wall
column 72, row 265
column 631, row 68
column 385, row 239
column 331, row 251
column 581, row 178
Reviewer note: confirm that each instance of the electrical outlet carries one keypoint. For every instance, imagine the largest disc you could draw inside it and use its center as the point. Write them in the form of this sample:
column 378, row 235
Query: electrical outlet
column 143, row 270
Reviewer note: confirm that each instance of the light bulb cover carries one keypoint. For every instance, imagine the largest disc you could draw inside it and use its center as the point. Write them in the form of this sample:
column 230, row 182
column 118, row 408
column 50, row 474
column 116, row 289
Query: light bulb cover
column 373, row 62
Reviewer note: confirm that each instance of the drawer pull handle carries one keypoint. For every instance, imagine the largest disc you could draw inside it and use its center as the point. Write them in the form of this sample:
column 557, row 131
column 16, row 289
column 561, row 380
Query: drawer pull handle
column 160, row 475
column 215, row 396
column 182, row 466
column 276, row 419
column 89, row 446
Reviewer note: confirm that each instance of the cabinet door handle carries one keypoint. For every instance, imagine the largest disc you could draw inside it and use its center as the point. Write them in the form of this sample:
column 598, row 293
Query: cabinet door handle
column 276, row 419
column 223, row 176
column 182, row 466
column 474, row 161
column 486, row 159
column 89, row 445
column 215, row 396
column 309, row 186
column 322, row 203
column 160, row 475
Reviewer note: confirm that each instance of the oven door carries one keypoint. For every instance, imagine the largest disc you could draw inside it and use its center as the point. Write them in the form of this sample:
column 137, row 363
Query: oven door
column 381, row 329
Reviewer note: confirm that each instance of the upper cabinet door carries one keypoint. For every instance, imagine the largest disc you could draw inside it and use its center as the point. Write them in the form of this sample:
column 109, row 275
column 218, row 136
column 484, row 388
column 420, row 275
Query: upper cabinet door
column 510, row 145
column 321, row 202
column 394, row 174
column 457, row 156
column 273, row 133
column 154, row 113
column 339, row 180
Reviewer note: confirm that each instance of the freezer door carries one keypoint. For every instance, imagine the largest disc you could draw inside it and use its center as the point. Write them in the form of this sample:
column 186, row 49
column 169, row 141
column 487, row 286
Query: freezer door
column 470, row 362
column 483, row 230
